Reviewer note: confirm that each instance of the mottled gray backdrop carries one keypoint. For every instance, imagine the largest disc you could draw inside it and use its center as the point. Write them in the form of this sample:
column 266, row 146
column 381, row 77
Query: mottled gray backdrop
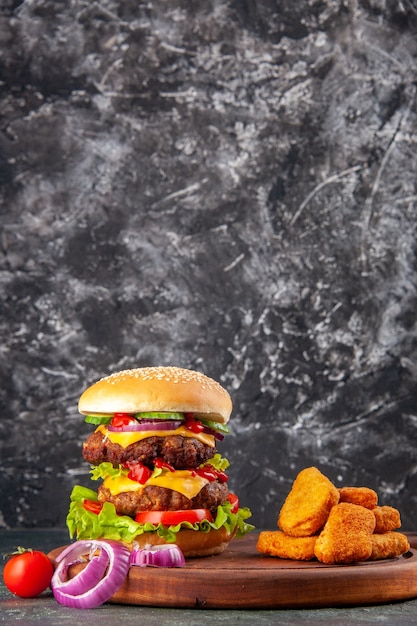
column 228, row 186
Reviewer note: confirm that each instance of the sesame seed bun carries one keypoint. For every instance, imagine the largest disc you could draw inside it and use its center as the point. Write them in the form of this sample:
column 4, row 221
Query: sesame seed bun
column 158, row 389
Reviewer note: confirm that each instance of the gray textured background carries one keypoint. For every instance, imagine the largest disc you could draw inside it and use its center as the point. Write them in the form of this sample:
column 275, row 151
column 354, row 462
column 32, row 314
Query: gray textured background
column 226, row 186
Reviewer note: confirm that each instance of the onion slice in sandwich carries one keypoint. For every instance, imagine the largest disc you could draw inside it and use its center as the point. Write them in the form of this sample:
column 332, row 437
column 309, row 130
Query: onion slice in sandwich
column 145, row 425
column 166, row 555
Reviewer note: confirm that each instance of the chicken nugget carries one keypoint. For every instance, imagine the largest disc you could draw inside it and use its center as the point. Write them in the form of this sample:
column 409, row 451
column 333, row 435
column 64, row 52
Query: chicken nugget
column 308, row 504
column 277, row 543
column 346, row 537
column 364, row 496
column 388, row 545
column 387, row 519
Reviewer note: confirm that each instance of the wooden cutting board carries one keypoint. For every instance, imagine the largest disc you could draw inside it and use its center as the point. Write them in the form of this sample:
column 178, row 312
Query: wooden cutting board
column 241, row 578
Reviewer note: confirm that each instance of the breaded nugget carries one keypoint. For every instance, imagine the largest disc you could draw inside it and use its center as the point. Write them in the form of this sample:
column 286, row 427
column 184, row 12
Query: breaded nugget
column 308, row 504
column 346, row 537
column 387, row 519
column 277, row 543
column 388, row 545
column 364, row 496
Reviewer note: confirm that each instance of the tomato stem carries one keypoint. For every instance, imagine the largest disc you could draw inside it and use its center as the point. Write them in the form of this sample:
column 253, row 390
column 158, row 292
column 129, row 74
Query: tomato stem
column 18, row 550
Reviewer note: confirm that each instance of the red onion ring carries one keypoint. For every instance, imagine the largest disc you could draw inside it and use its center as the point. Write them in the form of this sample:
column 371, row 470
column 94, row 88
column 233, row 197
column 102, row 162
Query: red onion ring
column 144, row 426
column 90, row 592
column 215, row 433
column 166, row 555
column 89, row 576
column 158, row 424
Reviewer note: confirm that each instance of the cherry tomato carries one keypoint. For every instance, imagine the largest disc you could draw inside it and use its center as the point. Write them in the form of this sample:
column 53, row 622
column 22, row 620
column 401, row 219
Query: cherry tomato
column 27, row 572
column 92, row 506
column 172, row 518
column 234, row 501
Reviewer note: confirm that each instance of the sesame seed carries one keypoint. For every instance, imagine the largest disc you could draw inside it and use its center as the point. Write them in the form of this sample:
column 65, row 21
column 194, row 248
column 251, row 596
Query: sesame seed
column 172, row 374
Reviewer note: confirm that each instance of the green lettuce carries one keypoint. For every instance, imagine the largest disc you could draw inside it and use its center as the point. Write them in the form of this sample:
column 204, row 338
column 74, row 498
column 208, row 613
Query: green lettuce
column 106, row 469
column 218, row 462
column 107, row 524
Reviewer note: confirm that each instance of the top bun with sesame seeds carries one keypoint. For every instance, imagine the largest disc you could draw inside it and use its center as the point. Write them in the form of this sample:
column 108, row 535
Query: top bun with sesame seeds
column 164, row 389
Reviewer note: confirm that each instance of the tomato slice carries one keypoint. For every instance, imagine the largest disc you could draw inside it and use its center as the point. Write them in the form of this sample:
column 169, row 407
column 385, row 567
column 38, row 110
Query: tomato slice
column 138, row 471
column 211, row 473
column 122, row 419
column 172, row 518
column 234, row 501
column 194, row 425
column 207, row 472
column 160, row 463
column 92, row 506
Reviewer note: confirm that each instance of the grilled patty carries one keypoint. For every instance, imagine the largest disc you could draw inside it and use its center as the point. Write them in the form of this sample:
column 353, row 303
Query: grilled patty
column 180, row 452
column 160, row 499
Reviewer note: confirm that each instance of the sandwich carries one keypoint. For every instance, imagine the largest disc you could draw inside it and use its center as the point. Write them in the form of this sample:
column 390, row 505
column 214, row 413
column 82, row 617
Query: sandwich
column 154, row 449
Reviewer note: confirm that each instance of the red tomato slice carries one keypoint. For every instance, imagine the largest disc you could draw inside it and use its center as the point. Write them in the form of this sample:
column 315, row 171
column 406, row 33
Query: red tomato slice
column 92, row 506
column 172, row 518
column 159, row 462
column 194, row 425
column 122, row 419
column 138, row 472
column 234, row 501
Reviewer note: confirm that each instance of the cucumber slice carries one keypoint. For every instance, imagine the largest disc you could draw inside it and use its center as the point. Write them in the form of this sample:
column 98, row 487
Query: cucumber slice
column 159, row 416
column 221, row 428
column 98, row 418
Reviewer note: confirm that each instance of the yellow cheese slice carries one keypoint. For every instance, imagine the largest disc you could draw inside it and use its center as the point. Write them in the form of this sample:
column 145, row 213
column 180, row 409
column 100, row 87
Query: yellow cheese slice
column 126, row 439
column 180, row 480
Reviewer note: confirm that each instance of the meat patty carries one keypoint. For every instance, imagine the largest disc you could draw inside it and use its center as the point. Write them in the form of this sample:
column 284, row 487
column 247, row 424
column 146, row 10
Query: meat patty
column 180, row 452
column 154, row 498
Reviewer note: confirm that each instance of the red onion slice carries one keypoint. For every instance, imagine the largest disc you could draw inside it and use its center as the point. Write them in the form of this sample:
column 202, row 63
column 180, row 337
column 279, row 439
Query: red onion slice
column 215, row 433
column 144, row 426
column 91, row 593
column 169, row 555
column 88, row 577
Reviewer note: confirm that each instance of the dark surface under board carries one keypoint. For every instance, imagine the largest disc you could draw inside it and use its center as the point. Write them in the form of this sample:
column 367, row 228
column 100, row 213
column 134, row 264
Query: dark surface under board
column 46, row 611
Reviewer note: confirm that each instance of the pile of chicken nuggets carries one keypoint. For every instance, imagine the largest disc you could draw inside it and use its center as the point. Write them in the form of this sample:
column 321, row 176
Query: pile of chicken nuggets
column 335, row 526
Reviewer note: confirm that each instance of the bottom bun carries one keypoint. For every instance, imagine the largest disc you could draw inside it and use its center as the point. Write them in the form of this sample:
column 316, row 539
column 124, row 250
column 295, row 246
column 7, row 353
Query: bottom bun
column 193, row 543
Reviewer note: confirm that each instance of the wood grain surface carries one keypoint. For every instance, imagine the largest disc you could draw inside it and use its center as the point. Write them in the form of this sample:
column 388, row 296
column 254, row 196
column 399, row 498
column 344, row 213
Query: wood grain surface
column 241, row 578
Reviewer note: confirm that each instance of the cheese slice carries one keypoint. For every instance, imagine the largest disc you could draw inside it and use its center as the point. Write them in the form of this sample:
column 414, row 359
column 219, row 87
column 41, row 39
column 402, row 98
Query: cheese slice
column 126, row 439
column 181, row 480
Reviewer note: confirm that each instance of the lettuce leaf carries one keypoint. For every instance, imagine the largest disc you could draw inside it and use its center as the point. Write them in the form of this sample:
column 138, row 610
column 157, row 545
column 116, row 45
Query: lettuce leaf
column 103, row 470
column 107, row 524
column 106, row 469
column 218, row 462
